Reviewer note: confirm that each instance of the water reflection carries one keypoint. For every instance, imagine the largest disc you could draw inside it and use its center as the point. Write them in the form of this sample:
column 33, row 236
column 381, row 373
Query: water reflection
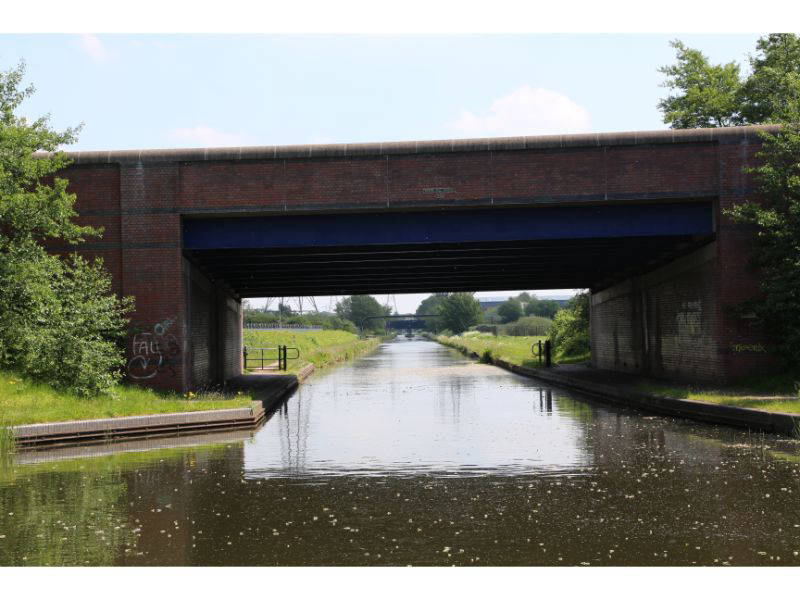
column 414, row 455
column 416, row 407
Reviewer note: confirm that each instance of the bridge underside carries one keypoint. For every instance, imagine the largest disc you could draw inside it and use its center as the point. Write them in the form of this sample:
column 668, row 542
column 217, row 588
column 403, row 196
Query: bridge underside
column 475, row 250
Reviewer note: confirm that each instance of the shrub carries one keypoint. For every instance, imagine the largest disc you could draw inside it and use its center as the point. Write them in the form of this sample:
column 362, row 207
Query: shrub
column 570, row 329
column 530, row 326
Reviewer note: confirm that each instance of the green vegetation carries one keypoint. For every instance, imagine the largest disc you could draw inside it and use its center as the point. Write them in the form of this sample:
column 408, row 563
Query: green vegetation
column 320, row 348
column 510, row 310
column 24, row 401
column 570, row 330
column 59, row 320
column 432, row 305
column 514, row 349
column 541, row 308
column 714, row 96
column 364, row 311
column 770, row 393
column 530, row 326
column 460, row 311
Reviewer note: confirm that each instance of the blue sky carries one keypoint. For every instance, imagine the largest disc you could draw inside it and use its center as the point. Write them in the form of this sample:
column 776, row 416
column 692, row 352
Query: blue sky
column 155, row 91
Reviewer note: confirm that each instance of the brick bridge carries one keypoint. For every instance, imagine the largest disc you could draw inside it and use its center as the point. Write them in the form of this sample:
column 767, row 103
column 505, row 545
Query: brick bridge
column 636, row 217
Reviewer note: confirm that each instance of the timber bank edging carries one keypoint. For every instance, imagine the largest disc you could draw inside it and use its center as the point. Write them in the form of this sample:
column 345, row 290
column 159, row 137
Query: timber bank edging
column 734, row 416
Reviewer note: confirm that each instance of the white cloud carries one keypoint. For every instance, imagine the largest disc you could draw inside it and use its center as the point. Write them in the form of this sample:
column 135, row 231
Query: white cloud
column 202, row 135
column 525, row 111
column 92, row 45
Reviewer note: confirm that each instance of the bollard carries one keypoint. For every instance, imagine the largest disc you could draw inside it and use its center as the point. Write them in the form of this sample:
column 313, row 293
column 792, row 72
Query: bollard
column 244, row 352
column 540, row 351
column 547, row 357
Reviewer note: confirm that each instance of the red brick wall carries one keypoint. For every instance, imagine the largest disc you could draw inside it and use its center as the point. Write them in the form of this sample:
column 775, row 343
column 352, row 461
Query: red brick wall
column 139, row 199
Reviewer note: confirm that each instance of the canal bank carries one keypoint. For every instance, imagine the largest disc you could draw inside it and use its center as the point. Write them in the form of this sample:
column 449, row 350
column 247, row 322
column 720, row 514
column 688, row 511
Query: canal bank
column 266, row 389
column 624, row 389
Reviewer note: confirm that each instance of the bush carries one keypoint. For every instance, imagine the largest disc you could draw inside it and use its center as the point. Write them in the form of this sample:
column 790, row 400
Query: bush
column 59, row 320
column 528, row 326
column 570, row 329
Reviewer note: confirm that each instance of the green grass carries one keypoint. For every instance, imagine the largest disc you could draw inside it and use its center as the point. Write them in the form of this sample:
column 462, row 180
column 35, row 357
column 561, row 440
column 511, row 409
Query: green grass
column 320, row 348
column 24, row 402
column 513, row 349
column 772, row 393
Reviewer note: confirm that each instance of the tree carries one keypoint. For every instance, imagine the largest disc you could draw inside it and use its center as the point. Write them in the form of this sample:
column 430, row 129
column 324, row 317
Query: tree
column 59, row 320
column 776, row 251
column 542, row 308
column 771, row 94
column 460, row 311
column 570, row 329
column 510, row 310
column 363, row 311
column 285, row 310
column 432, row 305
column 716, row 96
column 707, row 94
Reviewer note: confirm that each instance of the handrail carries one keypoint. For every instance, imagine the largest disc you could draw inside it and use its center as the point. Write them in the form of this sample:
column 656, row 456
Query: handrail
column 282, row 356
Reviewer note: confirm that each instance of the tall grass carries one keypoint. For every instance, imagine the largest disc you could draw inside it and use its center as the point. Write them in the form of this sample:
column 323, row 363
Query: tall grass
column 320, row 348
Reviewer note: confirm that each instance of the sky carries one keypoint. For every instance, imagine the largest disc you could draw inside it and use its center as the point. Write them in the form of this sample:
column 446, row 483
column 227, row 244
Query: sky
column 134, row 91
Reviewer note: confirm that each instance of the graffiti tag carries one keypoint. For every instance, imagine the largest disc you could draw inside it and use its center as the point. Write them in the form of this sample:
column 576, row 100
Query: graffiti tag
column 154, row 352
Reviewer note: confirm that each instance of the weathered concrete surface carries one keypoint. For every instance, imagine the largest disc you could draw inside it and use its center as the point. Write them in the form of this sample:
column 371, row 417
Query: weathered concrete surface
column 100, row 430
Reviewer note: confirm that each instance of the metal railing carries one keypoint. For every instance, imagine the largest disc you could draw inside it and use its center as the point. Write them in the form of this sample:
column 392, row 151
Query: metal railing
column 269, row 358
column 275, row 327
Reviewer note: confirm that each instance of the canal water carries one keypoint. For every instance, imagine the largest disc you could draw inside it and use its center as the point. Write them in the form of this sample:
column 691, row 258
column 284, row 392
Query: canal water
column 414, row 455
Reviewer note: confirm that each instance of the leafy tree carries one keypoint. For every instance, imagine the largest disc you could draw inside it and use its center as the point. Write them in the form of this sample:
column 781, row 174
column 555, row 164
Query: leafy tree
column 432, row 305
column 707, row 94
column 460, row 311
column 771, row 93
column 59, row 321
column 524, row 297
column 716, row 96
column 570, row 330
column 510, row 310
column 285, row 309
column 776, row 253
column 359, row 309
column 542, row 308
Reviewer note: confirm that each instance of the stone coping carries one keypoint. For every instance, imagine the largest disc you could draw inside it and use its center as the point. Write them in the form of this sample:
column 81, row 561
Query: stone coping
column 102, row 429
column 583, row 140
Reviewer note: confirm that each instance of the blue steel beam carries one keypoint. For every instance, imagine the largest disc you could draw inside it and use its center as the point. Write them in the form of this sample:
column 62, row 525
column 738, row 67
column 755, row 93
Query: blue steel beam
column 450, row 226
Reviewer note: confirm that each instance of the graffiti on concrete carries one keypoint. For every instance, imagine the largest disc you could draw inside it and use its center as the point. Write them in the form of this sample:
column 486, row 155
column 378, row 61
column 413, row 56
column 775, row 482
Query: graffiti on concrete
column 748, row 348
column 690, row 319
column 154, row 352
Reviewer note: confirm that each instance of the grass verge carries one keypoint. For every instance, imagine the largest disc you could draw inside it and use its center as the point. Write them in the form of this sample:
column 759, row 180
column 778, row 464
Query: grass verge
column 24, row 402
column 320, row 348
column 772, row 393
column 515, row 349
